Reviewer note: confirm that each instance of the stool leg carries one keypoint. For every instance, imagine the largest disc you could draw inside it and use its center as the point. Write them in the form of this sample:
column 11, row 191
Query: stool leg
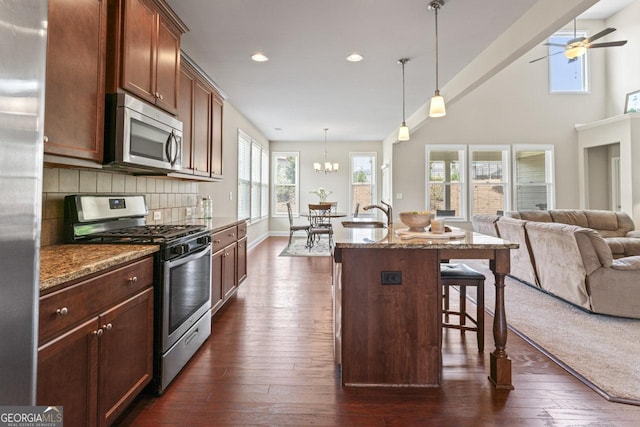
column 480, row 315
column 463, row 306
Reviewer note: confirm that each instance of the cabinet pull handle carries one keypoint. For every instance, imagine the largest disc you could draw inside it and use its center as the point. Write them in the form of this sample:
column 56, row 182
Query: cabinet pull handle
column 216, row 241
column 107, row 327
column 161, row 96
column 62, row 311
column 46, row 138
column 98, row 333
column 232, row 235
column 133, row 279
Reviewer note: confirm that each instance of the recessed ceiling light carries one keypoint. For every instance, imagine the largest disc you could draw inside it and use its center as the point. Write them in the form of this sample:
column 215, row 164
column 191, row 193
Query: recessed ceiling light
column 259, row 57
column 355, row 57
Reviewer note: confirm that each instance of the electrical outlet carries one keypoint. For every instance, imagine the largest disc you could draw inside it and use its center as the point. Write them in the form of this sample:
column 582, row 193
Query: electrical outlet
column 391, row 277
column 157, row 215
column 188, row 212
column 399, row 196
column 230, row 195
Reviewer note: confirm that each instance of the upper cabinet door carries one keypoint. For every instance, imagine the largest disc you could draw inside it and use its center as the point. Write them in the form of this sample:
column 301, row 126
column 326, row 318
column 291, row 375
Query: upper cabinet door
column 139, row 49
column 74, row 101
column 167, row 67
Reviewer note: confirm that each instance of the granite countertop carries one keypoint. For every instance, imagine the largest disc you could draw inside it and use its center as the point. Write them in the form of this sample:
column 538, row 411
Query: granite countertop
column 214, row 224
column 63, row 263
column 386, row 238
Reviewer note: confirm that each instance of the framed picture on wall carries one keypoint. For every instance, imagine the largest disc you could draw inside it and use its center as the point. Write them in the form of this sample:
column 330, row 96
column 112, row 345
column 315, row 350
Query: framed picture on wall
column 632, row 104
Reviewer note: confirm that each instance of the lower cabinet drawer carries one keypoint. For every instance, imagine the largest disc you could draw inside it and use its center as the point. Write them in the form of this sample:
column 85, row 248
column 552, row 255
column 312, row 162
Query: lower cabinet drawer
column 223, row 238
column 62, row 309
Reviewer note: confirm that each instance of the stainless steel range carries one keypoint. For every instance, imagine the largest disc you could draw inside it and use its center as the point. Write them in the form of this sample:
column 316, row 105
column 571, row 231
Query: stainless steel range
column 182, row 277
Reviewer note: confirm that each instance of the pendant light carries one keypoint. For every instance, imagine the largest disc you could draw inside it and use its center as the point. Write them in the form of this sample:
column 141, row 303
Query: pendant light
column 403, row 132
column 437, row 108
column 326, row 167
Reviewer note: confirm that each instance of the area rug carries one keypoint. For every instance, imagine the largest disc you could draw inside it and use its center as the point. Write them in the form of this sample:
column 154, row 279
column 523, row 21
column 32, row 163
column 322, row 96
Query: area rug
column 298, row 248
column 602, row 351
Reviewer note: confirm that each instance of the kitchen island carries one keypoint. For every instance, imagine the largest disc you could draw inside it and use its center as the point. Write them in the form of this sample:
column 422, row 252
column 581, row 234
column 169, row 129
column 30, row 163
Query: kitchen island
column 388, row 302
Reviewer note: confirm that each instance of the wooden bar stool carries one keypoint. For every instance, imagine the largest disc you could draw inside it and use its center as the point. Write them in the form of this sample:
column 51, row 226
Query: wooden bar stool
column 462, row 276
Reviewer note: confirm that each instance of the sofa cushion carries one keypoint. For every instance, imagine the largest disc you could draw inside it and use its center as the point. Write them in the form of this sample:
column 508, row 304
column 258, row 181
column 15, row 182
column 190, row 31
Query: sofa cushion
column 570, row 216
column 485, row 224
column 602, row 220
column 630, row 263
column 531, row 215
column 623, row 246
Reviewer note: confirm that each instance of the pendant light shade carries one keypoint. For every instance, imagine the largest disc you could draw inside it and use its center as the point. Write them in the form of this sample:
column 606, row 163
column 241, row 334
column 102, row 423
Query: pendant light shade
column 403, row 132
column 437, row 107
column 326, row 167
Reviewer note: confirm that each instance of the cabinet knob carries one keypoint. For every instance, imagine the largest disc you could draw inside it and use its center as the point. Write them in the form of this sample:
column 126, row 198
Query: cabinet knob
column 216, row 241
column 232, row 235
column 133, row 279
column 98, row 333
column 161, row 96
column 107, row 327
column 157, row 95
column 62, row 311
column 46, row 138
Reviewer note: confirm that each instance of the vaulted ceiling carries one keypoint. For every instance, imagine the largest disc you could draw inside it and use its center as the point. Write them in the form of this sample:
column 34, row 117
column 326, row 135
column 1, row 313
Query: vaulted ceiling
column 308, row 85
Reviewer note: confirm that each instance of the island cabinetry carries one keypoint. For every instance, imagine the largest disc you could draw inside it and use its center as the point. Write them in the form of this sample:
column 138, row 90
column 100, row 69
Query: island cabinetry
column 390, row 317
column 96, row 344
column 200, row 109
column 75, row 80
column 144, row 51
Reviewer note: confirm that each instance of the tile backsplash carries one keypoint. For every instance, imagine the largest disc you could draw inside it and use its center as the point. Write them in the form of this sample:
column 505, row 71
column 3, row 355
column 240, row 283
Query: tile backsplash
column 170, row 196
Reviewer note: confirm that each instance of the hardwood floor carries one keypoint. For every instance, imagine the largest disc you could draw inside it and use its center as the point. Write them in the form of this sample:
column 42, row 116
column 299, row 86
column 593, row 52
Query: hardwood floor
column 269, row 362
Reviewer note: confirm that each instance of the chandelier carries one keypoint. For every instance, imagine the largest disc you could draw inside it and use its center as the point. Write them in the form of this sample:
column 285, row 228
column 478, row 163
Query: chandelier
column 326, row 167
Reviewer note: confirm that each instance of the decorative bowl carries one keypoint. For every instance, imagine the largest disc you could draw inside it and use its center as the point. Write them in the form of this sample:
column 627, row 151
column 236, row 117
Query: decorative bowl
column 416, row 221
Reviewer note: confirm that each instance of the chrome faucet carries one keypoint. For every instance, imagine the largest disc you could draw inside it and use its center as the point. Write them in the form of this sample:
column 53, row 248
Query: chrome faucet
column 388, row 211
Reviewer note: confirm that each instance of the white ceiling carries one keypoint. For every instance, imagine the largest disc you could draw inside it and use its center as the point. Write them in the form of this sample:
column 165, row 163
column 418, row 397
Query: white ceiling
column 308, row 85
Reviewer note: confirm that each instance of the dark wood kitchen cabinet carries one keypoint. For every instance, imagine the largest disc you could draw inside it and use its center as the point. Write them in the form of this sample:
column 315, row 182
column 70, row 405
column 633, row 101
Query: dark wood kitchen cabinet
column 75, row 79
column 200, row 109
column 143, row 51
column 228, row 263
column 96, row 344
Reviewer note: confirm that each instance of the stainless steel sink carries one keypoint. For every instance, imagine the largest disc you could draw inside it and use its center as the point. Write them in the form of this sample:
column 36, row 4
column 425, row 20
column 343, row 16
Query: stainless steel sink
column 363, row 224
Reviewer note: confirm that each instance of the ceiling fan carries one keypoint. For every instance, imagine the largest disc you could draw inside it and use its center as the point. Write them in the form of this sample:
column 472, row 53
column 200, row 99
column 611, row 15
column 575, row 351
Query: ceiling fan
column 578, row 46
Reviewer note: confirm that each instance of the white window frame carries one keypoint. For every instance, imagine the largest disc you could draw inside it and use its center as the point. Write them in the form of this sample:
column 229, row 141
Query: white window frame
column 257, row 190
column 462, row 152
column 582, row 61
column 374, row 188
column 274, row 171
column 549, row 172
column 506, row 174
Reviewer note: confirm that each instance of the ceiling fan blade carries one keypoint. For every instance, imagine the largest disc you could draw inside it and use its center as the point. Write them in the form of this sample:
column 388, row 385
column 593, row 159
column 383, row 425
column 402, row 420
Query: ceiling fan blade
column 607, row 44
column 576, row 40
column 554, row 44
column 599, row 35
column 543, row 57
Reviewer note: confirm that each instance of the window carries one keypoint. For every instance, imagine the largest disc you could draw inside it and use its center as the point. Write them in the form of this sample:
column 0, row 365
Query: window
column 565, row 75
column 253, row 178
column 533, row 177
column 446, row 192
column 489, row 176
column 363, row 178
column 285, row 183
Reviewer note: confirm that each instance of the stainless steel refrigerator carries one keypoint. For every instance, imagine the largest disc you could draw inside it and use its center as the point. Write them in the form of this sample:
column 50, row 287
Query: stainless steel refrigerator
column 23, row 41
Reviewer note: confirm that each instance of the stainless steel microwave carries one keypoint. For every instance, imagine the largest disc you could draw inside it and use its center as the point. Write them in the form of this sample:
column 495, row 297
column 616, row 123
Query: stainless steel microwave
column 139, row 136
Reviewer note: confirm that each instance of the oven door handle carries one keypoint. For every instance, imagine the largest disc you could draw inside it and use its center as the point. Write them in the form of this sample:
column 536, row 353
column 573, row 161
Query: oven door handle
column 190, row 257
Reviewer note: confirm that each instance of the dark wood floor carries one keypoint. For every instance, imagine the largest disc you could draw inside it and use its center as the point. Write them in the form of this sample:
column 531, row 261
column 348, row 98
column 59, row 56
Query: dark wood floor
column 269, row 362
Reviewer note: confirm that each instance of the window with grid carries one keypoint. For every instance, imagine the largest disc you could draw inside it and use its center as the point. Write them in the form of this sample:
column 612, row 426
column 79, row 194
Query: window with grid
column 445, row 180
column 489, row 179
column 363, row 178
column 285, row 183
column 244, row 175
column 533, row 177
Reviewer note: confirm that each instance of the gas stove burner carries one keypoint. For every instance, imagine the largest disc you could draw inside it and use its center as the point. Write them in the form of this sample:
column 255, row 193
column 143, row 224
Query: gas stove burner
column 151, row 233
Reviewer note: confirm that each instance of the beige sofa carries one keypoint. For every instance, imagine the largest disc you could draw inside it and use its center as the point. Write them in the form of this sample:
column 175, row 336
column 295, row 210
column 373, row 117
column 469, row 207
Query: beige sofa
column 574, row 262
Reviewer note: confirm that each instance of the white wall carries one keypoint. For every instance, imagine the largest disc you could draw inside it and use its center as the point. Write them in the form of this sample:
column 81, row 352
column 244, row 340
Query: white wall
column 337, row 151
column 223, row 205
column 623, row 63
column 513, row 107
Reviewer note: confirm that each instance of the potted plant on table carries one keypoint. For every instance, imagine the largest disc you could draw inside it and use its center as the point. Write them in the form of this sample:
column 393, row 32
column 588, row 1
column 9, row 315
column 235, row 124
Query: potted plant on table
column 322, row 194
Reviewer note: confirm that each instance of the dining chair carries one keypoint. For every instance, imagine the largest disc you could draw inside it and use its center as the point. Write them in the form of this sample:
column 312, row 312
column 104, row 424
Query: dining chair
column 293, row 228
column 319, row 223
